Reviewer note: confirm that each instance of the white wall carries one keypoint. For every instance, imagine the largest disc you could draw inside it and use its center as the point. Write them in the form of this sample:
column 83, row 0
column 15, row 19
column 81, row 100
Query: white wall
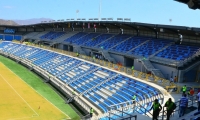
column 118, row 58
column 166, row 70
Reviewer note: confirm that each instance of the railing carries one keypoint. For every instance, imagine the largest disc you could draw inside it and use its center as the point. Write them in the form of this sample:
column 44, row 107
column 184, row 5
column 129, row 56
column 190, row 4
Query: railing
column 59, row 64
column 174, row 62
column 104, row 81
column 192, row 101
column 69, row 69
column 189, row 58
column 82, row 75
column 84, row 105
column 141, row 75
column 120, row 110
column 127, row 116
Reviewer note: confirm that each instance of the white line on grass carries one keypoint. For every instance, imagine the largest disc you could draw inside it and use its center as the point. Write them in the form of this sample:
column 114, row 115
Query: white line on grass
column 37, row 92
column 19, row 95
column 22, row 118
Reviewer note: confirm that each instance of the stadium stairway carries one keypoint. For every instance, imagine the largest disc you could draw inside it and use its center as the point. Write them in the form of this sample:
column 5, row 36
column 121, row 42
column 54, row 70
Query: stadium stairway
column 107, row 56
column 148, row 65
column 78, row 49
column 30, row 35
column 37, row 37
column 190, row 63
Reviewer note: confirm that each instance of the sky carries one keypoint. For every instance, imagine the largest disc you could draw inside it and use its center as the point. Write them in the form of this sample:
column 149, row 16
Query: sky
column 144, row 11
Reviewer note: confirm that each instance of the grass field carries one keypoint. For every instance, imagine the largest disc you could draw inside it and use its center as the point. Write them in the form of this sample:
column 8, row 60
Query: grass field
column 24, row 96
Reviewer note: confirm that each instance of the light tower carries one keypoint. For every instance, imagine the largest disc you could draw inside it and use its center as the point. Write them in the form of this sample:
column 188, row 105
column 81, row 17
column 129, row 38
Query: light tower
column 99, row 10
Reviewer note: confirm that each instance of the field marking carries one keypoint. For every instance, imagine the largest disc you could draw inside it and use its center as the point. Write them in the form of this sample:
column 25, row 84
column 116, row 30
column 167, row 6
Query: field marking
column 22, row 118
column 19, row 95
column 37, row 92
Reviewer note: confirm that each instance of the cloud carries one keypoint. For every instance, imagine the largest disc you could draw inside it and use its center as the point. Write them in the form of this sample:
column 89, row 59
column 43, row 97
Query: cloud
column 7, row 7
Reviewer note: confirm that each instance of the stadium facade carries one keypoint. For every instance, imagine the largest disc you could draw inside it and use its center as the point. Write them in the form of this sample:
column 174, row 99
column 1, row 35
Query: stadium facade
column 153, row 52
column 157, row 44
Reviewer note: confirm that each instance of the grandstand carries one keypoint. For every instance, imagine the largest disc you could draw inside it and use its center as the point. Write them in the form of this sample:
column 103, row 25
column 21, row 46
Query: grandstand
column 96, row 64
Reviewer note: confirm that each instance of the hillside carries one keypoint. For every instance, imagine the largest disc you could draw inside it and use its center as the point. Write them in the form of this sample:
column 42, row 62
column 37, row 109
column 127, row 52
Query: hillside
column 7, row 22
column 31, row 21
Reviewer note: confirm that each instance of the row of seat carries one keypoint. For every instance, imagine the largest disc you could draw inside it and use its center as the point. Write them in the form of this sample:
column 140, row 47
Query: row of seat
column 108, row 87
column 52, row 35
column 130, row 44
column 97, row 40
column 178, row 52
column 113, row 41
column 3, row 44
column 73, row 38
column 54, row 62
column 118, row 90
column 86, row 38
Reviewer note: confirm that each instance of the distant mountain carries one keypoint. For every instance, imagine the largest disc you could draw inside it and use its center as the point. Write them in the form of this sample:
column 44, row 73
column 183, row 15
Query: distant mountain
column 31, row 21
column 7, row 22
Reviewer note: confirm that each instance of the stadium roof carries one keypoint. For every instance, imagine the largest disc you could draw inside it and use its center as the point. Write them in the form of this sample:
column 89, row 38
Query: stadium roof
column 114, row 25
column 193, row 4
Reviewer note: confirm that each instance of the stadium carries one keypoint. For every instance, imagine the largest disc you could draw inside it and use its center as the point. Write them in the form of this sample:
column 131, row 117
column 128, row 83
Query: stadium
column 97, row 69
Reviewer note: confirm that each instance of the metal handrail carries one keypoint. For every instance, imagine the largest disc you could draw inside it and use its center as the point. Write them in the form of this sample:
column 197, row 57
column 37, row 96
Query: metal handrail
column 191, row 102
column 98, row 84
column 130, row 116
column 83, row 75
column 134, row 105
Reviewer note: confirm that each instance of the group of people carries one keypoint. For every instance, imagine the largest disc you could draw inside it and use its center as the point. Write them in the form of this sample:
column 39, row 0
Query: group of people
column 174, row 80
column 190, row 92
column 170, row 106
column 186, row 95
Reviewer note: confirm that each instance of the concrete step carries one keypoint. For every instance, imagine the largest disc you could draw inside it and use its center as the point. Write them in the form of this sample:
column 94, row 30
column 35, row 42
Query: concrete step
column 148, row 65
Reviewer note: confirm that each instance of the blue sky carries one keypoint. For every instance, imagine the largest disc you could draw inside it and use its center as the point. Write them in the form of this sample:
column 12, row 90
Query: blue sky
column 145, row 11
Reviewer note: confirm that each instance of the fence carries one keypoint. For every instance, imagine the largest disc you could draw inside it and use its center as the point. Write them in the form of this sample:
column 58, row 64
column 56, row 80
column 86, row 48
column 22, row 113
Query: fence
column 121, row 111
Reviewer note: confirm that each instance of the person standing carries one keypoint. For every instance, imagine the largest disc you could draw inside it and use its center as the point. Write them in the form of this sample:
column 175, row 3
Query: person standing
column 73, row 93
column 91, row 112
column 180, row 38
column 171, row 80
column 191, row 93
column 156, row 109
column 198, row 96
column 132, row 68
column 184, row 88
column 77, row 54
column 175, row 79
column 134, row 98
column 171, row 106
column 183, row 105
